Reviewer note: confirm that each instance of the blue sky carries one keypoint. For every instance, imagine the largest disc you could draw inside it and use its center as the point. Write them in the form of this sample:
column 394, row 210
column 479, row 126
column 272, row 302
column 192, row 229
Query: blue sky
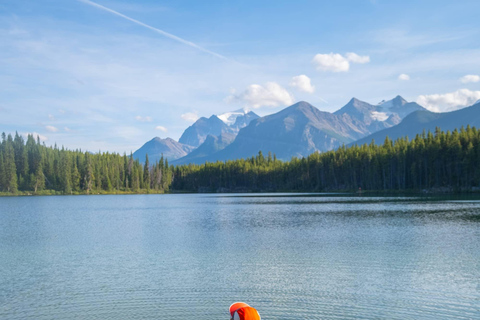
column 84, row 75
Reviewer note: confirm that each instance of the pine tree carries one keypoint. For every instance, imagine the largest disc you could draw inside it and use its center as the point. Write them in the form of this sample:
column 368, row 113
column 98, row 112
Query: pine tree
column 39, row 179
column 2, row 172
column 9, row 166
column 146, row 173
column 89, row 177
column 75, row 177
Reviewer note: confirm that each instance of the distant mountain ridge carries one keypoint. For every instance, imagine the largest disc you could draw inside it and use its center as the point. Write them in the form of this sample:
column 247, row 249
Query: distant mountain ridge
column 230, row 122
column 297, row 130
column 222, row 129
column 418, row 121
column 301, row 129
column 383, row 115
column 157, row 147
column 211, row 145
column 195, row 134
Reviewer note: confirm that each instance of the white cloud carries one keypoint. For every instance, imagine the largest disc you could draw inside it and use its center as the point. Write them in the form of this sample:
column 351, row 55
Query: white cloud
column 269, row 95
column 404, row 77
column 302, row 83
column 51, row 117
column 51, row 128
column 190, row 116
column 355, row 58
column 143, row 119
column 449, row 101
column 67, row 129
column 161, row 128
column 470, row 78
column 336, row 62
column 331, row 62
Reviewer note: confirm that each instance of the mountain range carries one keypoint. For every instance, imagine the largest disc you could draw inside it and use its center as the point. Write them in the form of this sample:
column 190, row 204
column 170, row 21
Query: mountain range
column 424, row 120
column 222, row 128
column 300, row 130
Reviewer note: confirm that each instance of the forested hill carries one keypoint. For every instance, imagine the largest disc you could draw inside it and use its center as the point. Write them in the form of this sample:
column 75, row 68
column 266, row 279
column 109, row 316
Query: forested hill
column 33, row 167
column 439, row 160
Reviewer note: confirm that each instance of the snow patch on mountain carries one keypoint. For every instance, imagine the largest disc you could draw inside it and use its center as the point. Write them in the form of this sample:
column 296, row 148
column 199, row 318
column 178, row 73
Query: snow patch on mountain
column 379, row 116
column 385, row 109
column 229, row 118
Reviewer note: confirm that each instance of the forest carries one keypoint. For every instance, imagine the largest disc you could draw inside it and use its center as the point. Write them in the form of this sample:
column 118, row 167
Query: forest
column 430, row 161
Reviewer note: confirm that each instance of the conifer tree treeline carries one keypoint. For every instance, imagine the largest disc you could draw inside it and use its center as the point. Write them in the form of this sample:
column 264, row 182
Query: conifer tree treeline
column 430, row 160
column 32, row 166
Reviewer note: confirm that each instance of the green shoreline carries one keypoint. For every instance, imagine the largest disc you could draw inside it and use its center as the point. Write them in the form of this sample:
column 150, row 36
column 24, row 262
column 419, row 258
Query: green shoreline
column 433, row 191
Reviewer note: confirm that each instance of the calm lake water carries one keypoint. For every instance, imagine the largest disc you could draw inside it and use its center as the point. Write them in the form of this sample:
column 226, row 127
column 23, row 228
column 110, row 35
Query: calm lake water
column 191, row 256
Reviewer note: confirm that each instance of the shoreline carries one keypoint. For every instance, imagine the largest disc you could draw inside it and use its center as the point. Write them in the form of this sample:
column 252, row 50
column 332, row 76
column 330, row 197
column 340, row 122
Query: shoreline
column 424, row 192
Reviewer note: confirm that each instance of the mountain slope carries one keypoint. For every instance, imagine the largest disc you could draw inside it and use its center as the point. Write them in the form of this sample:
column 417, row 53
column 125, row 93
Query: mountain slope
column 399, row 106
column 377, row 117
column 230, row 122
column 197, row 132
column 211, row 145
column 170, row 149
column 295, row 131
column 418, row 121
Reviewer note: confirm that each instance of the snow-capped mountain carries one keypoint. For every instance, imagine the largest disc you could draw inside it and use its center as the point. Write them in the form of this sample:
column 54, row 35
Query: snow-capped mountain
column 302, row 129
column 229, row 118
column 397, row 105
column 423, row 121
column 380, row 116
column 297, row 130
column 229, row 122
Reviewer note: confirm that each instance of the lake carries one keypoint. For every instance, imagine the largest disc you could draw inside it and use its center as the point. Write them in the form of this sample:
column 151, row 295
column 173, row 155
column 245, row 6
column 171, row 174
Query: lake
column 189, row 256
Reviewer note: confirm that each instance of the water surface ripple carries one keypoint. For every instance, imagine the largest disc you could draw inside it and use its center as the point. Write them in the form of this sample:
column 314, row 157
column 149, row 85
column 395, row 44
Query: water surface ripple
column 292, row 256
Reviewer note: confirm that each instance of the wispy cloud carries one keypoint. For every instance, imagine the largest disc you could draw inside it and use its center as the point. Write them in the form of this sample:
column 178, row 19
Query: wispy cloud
column 144, row 119
column 137, row 7
column 355, row 58
column 190, row 116
column 118, row 85
column 164, row 33
column 401, row 39
column 404, row 77
column 51, row 128
column 126, row 132
column 161, row 128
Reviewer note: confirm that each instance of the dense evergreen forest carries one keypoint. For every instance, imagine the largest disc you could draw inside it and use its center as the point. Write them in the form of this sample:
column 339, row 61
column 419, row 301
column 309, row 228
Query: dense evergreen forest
column 432, row 161
column 33, row 167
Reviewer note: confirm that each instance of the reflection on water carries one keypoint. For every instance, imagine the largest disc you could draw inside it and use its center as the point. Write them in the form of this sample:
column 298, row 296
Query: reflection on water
column 292, row 256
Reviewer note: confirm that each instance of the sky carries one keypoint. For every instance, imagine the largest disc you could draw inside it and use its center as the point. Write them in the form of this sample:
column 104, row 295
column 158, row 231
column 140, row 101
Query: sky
column 109, row 75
